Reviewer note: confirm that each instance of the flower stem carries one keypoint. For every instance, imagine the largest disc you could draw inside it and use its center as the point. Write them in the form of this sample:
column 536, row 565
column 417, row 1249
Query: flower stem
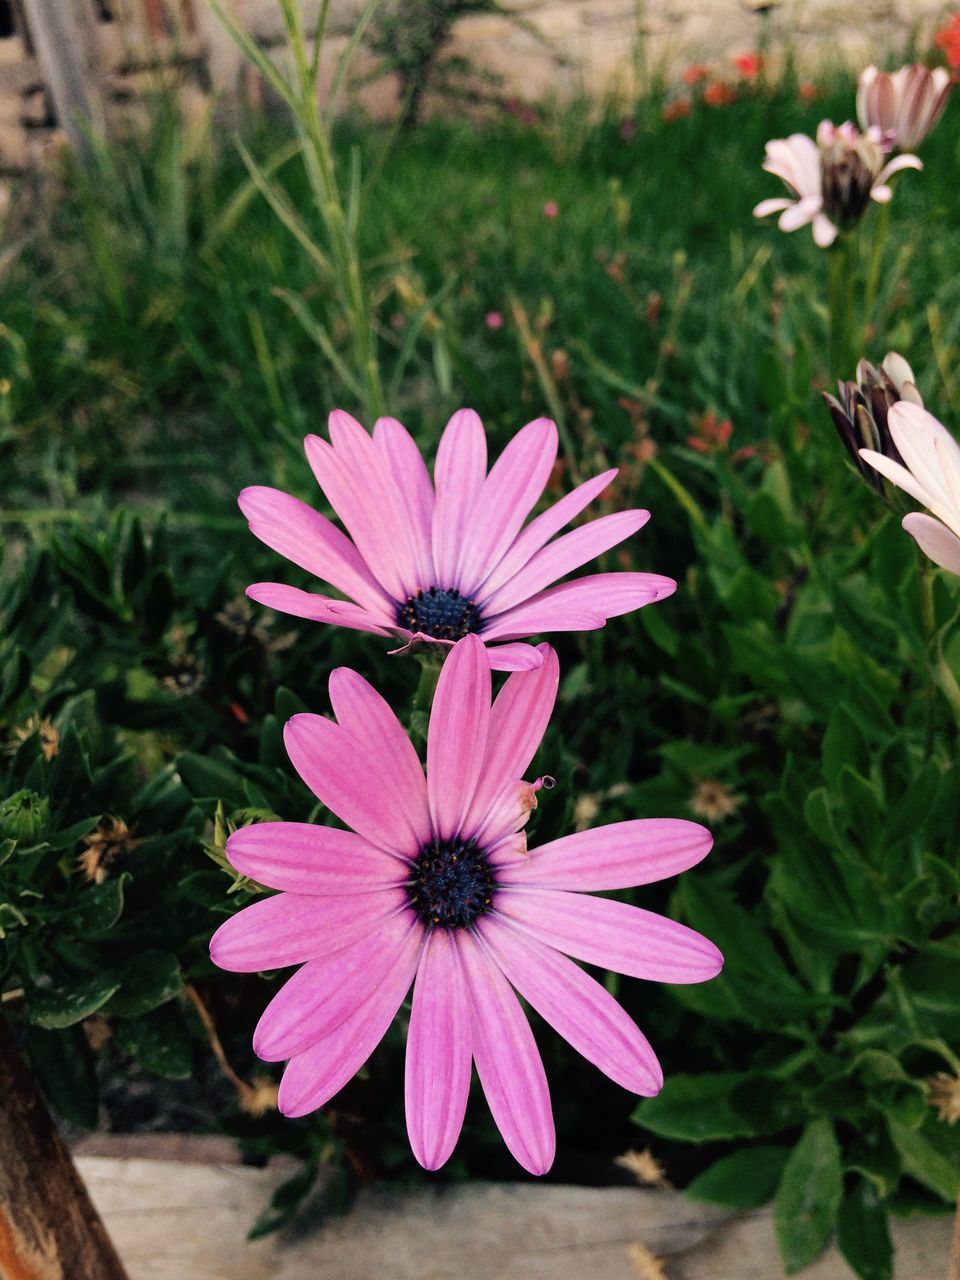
column 423, row 698
column 873, row 274
column 844, row 339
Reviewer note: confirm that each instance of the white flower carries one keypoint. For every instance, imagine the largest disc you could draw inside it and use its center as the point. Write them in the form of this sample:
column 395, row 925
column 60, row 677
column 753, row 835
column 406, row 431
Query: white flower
column 931, row 474
column 904, row 105
column 832, row 179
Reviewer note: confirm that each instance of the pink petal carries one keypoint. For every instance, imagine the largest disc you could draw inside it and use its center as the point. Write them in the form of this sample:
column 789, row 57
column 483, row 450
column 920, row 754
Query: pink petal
column 372, row 519
column 290, row 928
column 317, row 608
column 309, row 540
column 514, row 657
column 766, row 207
column 576, row 1006
column 508, row 812
column 563, row 556
column 302, row 857
column 457, row 734
column 518, row 721
column 392, row 760
column 508, row 1061
column 515, row 482
column 540, row 530
column 340, row 774
column 935, row 540
column 315, row 1075
column 618, row 856
column 437, row 1079
column 612, row 934
column 898, row 475
column 596, row 597
column 326, row 991
column 458, row 473
column 412, row 479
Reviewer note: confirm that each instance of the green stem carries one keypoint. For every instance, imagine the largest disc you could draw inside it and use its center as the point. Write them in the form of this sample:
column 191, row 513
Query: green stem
column 423, row 698
column 881, row 228
column 844, row 339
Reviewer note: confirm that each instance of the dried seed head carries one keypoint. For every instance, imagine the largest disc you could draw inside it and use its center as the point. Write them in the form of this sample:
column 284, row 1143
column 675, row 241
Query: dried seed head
column 109, row 844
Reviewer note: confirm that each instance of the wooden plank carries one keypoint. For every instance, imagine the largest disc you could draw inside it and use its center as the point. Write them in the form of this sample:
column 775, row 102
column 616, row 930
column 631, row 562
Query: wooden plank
column 60, row 32
column 193, row 1222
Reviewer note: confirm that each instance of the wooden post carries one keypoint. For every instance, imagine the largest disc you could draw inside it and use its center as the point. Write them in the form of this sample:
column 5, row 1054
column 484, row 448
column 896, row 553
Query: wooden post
column 60, row 31
column 49, row 1229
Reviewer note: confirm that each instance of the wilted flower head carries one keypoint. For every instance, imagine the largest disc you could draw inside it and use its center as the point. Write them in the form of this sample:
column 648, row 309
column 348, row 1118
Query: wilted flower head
column 860, row 410
column 930, row 472
column 903, row 105
column 109, row 844
column 833, row 179
column 435, row 887
column 431, row 560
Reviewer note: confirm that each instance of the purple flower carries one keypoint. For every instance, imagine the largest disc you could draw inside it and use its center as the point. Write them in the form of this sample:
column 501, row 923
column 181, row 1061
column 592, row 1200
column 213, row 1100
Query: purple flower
column 434, row 886
column 905, row 105
column 431, row 561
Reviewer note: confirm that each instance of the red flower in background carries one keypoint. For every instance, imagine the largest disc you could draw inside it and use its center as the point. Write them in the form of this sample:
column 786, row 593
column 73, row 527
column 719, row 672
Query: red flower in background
column 695, row 73
column 948, row 39
column 710, row 433
column 675, row 109
column 719, row 94
column 749, row 65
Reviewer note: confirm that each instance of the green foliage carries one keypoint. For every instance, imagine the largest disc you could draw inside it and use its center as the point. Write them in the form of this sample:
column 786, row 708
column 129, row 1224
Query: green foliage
column 160, row 342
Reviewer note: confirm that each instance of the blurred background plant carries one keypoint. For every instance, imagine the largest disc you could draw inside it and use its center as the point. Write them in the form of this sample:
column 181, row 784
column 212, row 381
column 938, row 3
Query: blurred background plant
column 187, row 314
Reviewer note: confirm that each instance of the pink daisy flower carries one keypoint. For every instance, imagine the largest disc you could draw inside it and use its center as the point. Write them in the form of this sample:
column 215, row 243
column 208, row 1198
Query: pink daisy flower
column 433, row 560
column 434, row 887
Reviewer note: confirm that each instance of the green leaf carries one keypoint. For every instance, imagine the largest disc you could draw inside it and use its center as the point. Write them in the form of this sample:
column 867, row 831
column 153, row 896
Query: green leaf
column 808, row 1197
column 59, row 1006
column 206, row 777
column 64, row 1066
column 931, row 1155
column 874, row 1155
column 150, row 979
column 746, row 1179
column 285, row 1201
column 863, row 1235
column 158, row 1041
column 698, row 1108
column 99, row 908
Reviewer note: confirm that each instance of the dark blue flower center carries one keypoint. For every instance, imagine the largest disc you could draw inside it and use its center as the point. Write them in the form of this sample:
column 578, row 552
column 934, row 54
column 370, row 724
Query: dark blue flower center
column 442, row 613
column 451, row 884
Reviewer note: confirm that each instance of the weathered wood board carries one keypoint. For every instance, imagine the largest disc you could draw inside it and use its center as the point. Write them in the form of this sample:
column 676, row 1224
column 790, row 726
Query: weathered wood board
column 188, row 1221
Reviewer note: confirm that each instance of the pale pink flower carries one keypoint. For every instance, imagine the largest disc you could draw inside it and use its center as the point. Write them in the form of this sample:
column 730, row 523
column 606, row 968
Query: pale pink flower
column 434, row 886
column 903, row 105
column 931, row 474
column 832, row 179
column 551, row 209
column 493, row 320
column 431, row 561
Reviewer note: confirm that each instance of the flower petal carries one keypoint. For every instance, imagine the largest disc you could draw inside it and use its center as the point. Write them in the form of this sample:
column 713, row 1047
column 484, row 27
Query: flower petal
column 289, row 928
column 302, row 857
column 457, row 734
column 415, row 488
column 564, row 555
column 612, row 934
column 541, row 529
column 458, row 473
column 508, row 1061
column 518, row 721
column 339, row 773
column 393, row 761
column 576, row 1006
column 618, row 856
column 897, row 475
column 309, row 540
column 766, row 207
column 515, row 482
column 514, row 657
column 935, row 540
column 437, row 1079
column 326, row 991
column 371, row 517
column 317, row 608
column 581, row 605
column 315, row 1075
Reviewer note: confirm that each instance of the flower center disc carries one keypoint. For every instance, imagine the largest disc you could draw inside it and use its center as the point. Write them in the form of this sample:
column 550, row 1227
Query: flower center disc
column 451, row 884
column 443, row 614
